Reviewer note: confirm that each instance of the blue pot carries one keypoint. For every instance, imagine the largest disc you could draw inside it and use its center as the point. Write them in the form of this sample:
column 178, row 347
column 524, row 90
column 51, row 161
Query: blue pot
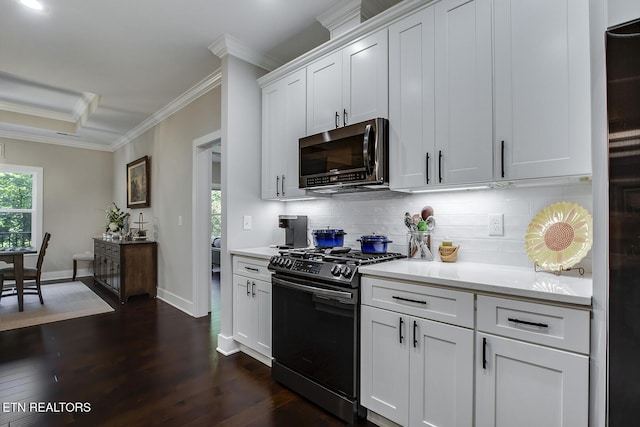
column 373, row 244
column 328, row 238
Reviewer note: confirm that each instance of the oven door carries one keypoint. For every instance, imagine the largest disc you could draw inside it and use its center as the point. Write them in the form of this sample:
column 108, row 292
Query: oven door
column 315, row 332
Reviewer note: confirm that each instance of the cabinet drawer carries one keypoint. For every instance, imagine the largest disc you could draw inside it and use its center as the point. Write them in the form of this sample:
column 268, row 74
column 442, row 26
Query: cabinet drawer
column 560, row 327
column 443, row 305
column 99, row 247
column 251, row 267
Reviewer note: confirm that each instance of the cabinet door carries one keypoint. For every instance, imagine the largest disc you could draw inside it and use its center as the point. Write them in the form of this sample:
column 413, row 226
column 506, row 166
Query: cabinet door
column 384, row 371
column 283, row 123
column 242, row 310
column 273, row 134
column 261, row 294
column 463, row 90
column 542, row 88
column 441, row 378
column 324, row 94
column 365, row 81
column 529, row 385
column 411, row 104
column 295, row 128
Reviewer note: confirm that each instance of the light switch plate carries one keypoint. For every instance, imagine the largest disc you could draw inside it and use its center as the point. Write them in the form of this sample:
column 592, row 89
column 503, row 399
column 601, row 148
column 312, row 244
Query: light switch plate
column 246, row 222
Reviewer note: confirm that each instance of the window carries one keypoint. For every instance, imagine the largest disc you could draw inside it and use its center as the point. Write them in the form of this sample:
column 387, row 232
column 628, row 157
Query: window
column 216, row 214
column 20, row 205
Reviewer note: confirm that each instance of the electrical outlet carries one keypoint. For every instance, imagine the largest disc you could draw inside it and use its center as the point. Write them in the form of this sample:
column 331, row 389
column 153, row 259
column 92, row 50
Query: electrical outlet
column 496, row 225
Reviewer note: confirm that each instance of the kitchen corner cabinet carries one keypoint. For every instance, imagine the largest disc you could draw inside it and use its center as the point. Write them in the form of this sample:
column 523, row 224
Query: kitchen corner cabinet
column 416, row 369
column 252, row 304
column 126, row 268
column 283, row 123
column 532, row 364
column 349, row 85
column 541, row 88
column 441, row 101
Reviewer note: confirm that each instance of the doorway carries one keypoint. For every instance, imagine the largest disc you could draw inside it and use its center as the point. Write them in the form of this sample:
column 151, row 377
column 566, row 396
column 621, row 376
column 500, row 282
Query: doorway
column 202, row 184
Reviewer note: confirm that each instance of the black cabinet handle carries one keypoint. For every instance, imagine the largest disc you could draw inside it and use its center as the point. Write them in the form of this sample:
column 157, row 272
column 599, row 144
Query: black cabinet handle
column 248, row 285
column 502, row 159
column 409, row 300
column 337, row 120
column 344, row 117
column 427, row 162
column 400, row 330
column 415, row 337
column 252, row 269
column 524, row 322
column 439, row 166
column 484, row 353
column 253, row 289
column 277, row 185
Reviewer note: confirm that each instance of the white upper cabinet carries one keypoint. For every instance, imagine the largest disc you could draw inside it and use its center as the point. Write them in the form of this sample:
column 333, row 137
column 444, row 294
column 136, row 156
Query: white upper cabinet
column 463, row 121
column 349, row 86
column 541, row 88
column 283, row 123
column 411, row 101
column 440, row 104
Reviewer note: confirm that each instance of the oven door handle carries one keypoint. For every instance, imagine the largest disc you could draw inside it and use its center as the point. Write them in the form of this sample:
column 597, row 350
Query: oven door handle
column 311, row 289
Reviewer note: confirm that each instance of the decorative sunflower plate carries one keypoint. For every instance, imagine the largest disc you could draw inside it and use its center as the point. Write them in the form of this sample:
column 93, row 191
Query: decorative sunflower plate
column 559, row 236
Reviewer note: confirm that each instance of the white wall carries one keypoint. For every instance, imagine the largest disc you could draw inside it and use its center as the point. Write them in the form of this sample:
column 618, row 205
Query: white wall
column 241, row 179
column 169, row 145
column 462, row 216
column 77, row 192
column 621, row 11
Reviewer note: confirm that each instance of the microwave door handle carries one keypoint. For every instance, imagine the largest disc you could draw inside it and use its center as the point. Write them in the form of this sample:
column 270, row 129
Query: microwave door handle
column 369, row 135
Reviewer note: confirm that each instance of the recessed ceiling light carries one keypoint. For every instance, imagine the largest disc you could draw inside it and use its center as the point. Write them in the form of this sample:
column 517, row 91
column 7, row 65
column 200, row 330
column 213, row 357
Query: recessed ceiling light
column 32, row 4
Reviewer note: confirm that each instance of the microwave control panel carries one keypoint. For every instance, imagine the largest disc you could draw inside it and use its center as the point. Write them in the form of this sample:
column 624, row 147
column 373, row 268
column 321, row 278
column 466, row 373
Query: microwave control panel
column 335, row 179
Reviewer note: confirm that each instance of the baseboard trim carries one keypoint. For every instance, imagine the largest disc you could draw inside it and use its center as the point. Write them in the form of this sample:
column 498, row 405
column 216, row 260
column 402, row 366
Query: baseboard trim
column 176, row 301
column 226, row 345
column 256, row 355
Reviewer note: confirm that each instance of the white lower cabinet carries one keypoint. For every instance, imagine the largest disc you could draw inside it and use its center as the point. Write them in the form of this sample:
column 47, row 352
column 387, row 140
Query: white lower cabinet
column 428, row 361
column 252, row 305
column 523, row 384
column 537, row 372
column 414, row 371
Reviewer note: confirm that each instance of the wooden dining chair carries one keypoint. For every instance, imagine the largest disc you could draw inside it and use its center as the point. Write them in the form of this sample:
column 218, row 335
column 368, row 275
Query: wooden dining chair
column 30, row 274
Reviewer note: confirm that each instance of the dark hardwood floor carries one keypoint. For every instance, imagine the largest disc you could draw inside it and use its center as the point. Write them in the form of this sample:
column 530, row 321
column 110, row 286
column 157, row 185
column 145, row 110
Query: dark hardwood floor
column 146, row 364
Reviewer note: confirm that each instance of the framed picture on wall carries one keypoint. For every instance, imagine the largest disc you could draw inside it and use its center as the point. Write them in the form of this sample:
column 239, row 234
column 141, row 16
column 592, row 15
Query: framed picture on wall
column 139, row 183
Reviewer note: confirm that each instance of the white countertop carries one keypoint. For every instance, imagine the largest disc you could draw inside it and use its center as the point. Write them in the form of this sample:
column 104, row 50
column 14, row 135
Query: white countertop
column 515, row 281
column 262, row 252
column 501, row 279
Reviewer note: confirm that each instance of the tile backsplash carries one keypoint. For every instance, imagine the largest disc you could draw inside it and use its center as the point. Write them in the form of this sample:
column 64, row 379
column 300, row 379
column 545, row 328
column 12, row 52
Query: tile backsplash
column 461, row 216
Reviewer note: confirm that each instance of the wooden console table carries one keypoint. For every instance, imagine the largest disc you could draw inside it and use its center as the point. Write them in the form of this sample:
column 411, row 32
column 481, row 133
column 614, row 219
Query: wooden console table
column 125, row 267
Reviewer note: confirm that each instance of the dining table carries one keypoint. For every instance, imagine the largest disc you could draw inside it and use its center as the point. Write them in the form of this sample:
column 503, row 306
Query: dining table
column 15, row 256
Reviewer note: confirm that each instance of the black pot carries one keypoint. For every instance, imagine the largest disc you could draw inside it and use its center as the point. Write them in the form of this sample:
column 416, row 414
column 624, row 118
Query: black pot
column 328, row 238
column 374, row 244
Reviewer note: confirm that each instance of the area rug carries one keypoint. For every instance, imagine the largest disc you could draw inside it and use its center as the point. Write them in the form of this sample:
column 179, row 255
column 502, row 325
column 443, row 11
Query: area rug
column 62, row 301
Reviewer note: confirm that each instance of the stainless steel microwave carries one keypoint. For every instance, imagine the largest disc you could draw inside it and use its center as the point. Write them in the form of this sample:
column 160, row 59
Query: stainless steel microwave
column 350, row 158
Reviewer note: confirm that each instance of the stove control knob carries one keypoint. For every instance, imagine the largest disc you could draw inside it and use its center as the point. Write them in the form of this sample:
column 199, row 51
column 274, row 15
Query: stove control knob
column 280, row 261
column 336, row 270
column 288, row 263
column 346, row 272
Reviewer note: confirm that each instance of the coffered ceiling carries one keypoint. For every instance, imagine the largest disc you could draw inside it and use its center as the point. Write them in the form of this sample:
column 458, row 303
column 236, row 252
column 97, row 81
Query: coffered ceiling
column 92, row 73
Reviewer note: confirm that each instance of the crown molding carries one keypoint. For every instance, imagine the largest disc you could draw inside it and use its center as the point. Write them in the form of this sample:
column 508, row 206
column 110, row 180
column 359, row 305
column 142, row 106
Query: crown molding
column 52, row 140
column 205, row 85
column 340, row 14
column 229, row 45
column 378, row 22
